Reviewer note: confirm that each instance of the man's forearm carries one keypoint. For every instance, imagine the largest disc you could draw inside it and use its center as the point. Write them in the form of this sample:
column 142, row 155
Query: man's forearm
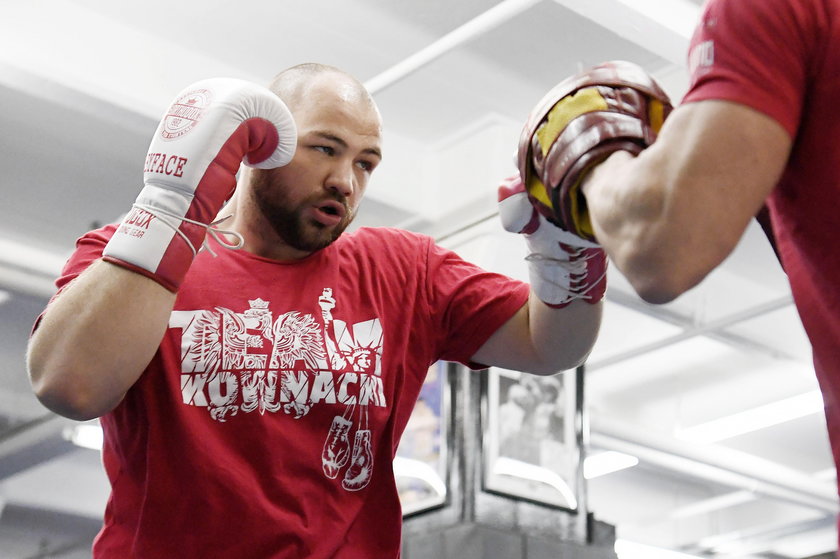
column 563, row 338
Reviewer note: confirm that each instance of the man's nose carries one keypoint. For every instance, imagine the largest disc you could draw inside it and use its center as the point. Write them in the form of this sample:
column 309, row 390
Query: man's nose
column 341, row 180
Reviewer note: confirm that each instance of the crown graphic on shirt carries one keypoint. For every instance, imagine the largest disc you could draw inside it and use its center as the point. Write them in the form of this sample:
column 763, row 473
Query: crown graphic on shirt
column 259, row 308
column 258, row 304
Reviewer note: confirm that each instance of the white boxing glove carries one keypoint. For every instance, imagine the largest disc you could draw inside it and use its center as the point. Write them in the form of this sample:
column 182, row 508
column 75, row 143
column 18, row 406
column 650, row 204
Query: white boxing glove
column 562, row 266
column 190, row 172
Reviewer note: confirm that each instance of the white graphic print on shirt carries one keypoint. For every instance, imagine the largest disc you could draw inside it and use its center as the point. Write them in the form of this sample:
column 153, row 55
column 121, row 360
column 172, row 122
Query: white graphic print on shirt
column 248, row 361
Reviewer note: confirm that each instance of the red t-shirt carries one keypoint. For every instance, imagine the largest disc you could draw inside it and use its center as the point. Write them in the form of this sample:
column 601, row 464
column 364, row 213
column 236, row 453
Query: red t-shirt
column 267, row 422
column 782, row 57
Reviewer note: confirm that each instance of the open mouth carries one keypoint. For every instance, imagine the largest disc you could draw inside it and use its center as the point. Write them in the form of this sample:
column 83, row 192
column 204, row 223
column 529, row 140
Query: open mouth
column 330, row 212
column 333, row 208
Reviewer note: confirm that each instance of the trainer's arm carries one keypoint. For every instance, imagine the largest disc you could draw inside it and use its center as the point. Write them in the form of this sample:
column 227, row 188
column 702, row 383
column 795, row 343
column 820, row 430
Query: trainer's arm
column 668, row 217
column 543, row 340
column 95, row 339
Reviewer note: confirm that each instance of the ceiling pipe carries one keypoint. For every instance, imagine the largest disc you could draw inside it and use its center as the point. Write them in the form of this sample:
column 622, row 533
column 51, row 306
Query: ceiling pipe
column 492, row 18
column 717, row 464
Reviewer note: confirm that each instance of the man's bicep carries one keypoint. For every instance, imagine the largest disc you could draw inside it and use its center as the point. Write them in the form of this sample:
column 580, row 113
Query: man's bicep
column 726, row 159
column 724, row 155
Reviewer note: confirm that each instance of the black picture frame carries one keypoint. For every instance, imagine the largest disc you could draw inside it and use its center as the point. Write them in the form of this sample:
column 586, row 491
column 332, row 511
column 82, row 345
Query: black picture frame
column 531, row 448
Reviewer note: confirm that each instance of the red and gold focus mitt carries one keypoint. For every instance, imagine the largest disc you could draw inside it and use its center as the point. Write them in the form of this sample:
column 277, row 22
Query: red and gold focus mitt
column 579, row 123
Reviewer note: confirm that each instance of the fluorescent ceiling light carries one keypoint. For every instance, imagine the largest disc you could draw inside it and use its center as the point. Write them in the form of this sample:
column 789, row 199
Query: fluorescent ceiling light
column 606, row 463
column 87, row 435
column 754, row 419
column 631, row 550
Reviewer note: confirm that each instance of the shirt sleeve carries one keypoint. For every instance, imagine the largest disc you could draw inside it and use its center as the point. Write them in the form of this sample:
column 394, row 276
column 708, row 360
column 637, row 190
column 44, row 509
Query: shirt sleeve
column 89, row 248
column 469, row 303
column 755, row 54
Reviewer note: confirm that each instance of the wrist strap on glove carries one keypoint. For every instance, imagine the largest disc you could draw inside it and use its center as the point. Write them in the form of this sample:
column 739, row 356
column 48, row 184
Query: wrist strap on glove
column 174, row 221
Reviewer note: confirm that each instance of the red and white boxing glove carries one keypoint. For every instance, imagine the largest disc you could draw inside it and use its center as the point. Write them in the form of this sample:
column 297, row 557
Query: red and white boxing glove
column 562, row 266
column 190, row 172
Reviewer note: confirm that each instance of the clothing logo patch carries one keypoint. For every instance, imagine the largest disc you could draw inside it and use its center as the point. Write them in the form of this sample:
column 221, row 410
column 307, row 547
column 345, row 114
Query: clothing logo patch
column 701, row 57
column 185, row 113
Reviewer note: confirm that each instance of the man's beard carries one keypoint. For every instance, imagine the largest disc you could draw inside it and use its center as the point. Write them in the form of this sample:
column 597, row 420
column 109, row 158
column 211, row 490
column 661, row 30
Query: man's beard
column 289, row 223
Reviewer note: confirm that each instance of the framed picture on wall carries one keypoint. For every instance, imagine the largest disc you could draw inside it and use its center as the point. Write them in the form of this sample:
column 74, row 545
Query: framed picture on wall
column 420, row 465
column 530, row 442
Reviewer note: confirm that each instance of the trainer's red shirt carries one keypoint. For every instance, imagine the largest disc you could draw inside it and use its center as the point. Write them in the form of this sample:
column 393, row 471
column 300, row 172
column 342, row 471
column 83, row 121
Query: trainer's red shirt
column 267, row 422
column 782, row 57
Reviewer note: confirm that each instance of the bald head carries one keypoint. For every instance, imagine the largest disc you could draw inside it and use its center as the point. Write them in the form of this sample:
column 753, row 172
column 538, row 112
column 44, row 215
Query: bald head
column 292, row 84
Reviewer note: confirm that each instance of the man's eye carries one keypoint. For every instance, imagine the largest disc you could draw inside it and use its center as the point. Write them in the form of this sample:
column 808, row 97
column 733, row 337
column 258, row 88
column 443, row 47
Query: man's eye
column 326, row 149
column 365, row 165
